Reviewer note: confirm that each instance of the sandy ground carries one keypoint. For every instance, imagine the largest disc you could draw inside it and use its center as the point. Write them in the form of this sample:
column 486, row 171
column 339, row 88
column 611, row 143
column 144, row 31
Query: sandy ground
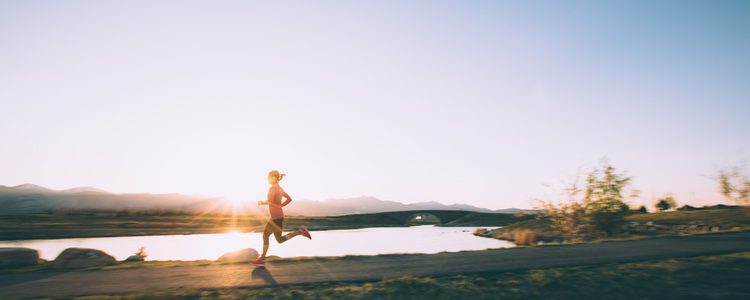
column 48, row 283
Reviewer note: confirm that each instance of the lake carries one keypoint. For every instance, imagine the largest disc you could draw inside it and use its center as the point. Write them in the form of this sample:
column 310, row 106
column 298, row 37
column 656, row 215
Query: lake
column 366, row 241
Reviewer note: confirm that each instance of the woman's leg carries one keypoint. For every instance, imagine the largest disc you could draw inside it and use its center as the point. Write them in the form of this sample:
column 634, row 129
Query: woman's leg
column 266, row 234
column 277, row 225
column 280, row 239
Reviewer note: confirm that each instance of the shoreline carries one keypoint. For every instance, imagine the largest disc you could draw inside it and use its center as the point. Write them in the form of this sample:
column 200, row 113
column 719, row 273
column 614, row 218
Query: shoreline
column 217, row 231
column 106, row 224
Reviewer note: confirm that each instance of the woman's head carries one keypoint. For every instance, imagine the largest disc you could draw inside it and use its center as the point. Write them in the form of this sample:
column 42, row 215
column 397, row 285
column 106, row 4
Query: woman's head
column 274, row 176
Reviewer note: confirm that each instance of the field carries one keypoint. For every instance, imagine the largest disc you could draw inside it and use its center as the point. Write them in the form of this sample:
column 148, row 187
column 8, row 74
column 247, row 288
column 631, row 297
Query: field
column 724, row 218
column 68, row 224
column 708, row 277
column 640, row 225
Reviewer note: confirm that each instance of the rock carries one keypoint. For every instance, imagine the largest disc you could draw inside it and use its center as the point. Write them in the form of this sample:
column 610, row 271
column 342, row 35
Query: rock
column 18, row 257
column 246, row 254
column 482, row 232
column 135, row 258
column 73, row 258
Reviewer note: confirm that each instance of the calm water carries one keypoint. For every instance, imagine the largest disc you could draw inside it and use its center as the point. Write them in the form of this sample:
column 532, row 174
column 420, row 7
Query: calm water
column 368, row 241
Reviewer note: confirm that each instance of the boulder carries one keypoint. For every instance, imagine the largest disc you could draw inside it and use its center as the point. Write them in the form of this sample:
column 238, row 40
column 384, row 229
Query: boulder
column 73, row 258
column 246, row 254
column 18, row 257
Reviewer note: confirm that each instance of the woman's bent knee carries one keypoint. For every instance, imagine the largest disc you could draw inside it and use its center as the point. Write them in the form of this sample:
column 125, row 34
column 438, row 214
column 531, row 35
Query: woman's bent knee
column 280, row 239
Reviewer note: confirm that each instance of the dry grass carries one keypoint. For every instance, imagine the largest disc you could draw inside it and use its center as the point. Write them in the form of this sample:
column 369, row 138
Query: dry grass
column 525, row 237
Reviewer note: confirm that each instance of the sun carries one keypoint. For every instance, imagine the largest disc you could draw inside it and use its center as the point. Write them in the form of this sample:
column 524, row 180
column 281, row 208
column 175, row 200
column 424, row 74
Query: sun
column 240, row 206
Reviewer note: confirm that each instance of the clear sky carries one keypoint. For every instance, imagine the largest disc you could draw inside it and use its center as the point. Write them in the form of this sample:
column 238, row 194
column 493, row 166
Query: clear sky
column 485, row 103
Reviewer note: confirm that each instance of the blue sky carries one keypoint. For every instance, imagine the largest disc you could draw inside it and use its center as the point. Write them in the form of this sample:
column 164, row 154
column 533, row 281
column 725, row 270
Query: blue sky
column 489, row 103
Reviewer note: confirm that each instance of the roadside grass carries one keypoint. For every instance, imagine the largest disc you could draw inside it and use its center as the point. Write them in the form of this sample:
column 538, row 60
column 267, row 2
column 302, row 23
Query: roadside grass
column 152, row 264
column 47, row 267
column 708, row 277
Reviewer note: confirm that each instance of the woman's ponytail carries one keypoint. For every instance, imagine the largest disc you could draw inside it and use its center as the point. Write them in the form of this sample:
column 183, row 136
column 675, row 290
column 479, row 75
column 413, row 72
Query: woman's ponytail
column 276, row 174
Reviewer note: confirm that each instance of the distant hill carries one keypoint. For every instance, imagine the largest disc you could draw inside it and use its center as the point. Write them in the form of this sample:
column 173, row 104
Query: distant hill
column 365, row 205
column 27, row 187
column 515, row 211
column 33, row 198
column 84, row 189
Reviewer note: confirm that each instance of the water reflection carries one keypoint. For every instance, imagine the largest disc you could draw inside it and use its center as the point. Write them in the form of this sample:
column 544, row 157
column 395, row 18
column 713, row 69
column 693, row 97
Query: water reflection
column 368, row 241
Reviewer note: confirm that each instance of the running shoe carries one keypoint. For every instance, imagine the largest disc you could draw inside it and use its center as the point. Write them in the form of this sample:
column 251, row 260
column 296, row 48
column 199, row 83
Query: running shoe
column 258, row 262
column 303, row 231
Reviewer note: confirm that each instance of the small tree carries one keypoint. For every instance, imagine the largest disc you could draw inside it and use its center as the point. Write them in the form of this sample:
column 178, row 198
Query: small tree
column 642, row 210
column 666, row 203
column 603, row 198
column 141, row 252
column 734, row 184
column 601, row 207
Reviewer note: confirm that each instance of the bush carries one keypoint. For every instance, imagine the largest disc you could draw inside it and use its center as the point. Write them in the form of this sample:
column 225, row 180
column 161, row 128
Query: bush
column 734, row 184
column 568, row 218
column 601, row 208
column 525, row 237
column 666, row 203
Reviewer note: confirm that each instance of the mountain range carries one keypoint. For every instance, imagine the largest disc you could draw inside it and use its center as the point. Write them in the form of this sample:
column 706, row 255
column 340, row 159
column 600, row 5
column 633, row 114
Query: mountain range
column 29, row 198
column 33, row 198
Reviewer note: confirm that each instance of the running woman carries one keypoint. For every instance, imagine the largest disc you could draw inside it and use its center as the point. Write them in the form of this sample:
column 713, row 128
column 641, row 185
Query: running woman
column 275, row 224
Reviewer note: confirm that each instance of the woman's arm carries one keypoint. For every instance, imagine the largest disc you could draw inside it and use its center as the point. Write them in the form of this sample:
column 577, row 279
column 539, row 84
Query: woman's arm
column 288, row 199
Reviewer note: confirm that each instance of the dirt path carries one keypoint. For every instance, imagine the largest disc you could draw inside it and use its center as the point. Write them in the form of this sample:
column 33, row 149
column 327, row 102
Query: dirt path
column 42, row 284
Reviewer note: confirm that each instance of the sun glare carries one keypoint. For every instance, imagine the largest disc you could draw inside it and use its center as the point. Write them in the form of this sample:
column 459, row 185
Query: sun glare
column 234, row 200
